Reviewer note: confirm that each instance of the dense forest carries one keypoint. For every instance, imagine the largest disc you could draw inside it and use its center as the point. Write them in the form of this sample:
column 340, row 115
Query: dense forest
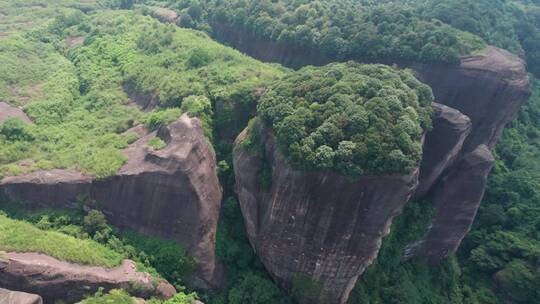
column 90, row 68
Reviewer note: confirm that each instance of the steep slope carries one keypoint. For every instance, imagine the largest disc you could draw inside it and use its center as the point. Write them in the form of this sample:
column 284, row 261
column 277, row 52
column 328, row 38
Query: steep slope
column 172, row 193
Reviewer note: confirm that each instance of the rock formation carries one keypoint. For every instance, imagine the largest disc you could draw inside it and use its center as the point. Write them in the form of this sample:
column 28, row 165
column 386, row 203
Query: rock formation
column 173, row 193
column 480, row 96
column 442, row 145
column 55, row 280
column 8, row 111
column 16, row 297
column 456, row 198
column 315, row 226
column 489, row 88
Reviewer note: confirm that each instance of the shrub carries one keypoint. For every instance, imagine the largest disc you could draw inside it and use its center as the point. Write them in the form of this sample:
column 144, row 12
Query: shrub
column 157, row 143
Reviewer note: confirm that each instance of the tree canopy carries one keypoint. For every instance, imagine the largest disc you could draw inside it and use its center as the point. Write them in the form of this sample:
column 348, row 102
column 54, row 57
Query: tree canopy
column 350, row 118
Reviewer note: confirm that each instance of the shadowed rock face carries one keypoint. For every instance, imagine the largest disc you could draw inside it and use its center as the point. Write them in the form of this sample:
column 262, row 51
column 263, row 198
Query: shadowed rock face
column 316, row 224
column 488, row 88
column 442, row 145
column 15, row 297
column 456, row 199
column 172, row 193
column 56, row 280
column 481, row 95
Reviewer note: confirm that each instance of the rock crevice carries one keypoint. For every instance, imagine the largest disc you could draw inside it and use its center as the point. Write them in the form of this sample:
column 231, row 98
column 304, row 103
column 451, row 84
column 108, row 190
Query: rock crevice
column 173, row 193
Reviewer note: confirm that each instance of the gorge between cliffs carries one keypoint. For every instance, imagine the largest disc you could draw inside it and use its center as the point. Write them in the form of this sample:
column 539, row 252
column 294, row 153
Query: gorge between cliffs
column 200, row 159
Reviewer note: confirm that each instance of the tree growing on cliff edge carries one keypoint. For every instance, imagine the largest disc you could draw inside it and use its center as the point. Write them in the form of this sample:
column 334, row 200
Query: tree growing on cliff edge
column 349, row 118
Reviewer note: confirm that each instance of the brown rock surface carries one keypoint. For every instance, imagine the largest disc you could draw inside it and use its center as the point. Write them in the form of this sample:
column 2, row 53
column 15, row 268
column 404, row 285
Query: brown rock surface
column 16, row 297
column 456, row 199
column 442, row 145
column 9, row 111
column 57, row 280
column 489, row 88
column 173, row 193
column 313, row 223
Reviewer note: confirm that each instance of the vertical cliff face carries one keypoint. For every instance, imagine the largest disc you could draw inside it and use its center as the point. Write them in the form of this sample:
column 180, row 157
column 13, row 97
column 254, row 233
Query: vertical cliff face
column 315, row 225
column 442, row 145
column 456, row 198
column 489, row 88
column 172, row 193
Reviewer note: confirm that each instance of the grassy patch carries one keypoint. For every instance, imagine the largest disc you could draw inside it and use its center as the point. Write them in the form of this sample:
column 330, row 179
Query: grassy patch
column 21, row 236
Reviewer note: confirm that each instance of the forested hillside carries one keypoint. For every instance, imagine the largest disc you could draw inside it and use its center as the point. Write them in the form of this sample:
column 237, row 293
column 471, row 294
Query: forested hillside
column 82, row 75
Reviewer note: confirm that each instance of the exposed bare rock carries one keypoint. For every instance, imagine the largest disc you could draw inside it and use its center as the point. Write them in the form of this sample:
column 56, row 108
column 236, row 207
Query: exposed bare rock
column 442, row 145
column 164, row 14
column 456, row 198
column 8, row 111
column 317, row 224
column 488, row 88
column 16, row 297
column 267, row 50
column 173, row 193
column 57, row 280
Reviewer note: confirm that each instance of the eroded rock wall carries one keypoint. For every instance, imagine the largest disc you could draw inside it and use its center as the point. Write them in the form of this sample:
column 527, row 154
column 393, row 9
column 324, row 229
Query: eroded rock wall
column 456, row 199
column 315, row 225
column 173, row 193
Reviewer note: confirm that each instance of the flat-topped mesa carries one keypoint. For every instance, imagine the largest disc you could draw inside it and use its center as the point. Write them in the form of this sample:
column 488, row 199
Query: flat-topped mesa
column 56, row 280
column 321, row 172
column 315, row 229
column 488, row 87
column 173, row 193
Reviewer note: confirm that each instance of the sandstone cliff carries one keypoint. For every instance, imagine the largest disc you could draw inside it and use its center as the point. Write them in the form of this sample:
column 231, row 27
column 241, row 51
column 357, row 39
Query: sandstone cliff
column 456, row 198
column 173, row 193
column 55, row 280
column 487, row 88
column 479, row 97
column 315, row 226
column 442, row 145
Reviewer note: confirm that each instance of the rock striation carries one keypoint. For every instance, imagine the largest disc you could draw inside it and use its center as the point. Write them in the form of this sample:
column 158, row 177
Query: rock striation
column 56, row 280
column 489, row 88
column 315, row 226
column 173, row 193
column 16, row 297
column 456, row 199
column 442, row 145
column 477, row 98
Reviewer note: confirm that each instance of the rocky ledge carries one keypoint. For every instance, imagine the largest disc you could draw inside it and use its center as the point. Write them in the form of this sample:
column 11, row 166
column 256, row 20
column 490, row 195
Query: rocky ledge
column 315, row 228
column 56, row 280
column 173, row 193
column 16, row 297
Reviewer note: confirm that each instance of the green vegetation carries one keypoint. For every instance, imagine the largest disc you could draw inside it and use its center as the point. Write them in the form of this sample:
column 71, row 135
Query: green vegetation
column 157, row 143
column 22, row 236
column 115, row 296
column 78, row 96
column 509, row 24
column 350, row 118
column 342, row 29
column 118, row 296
